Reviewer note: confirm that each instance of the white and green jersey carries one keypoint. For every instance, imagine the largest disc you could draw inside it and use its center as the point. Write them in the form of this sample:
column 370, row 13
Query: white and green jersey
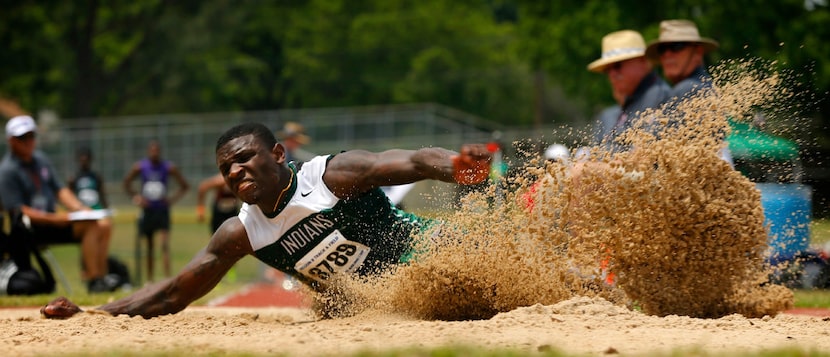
column 316, row 234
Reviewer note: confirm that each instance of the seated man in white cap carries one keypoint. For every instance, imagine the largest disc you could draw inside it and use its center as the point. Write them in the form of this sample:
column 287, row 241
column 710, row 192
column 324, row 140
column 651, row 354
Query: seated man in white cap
column 30, row 191
column 635, row 84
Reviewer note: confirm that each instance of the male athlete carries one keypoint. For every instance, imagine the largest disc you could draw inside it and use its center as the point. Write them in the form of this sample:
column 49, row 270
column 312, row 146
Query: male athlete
column 326, row 217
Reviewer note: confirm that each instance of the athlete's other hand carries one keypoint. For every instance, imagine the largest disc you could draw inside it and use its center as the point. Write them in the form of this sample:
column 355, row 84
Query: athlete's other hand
column 60, row 308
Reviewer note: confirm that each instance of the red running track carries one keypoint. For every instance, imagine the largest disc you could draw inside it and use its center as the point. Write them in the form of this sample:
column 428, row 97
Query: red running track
column 263, row 295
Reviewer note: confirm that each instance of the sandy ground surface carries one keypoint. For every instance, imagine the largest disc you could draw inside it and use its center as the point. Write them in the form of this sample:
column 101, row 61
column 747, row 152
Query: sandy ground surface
column 578, row 325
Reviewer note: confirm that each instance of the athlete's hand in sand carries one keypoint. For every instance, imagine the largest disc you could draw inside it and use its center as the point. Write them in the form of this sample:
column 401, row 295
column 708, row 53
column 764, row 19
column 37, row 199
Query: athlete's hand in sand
column 60, row 308
column 472, row 164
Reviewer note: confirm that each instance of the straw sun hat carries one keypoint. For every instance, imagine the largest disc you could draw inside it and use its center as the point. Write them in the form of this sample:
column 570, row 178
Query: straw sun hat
column 295, row 131
column 619, row 46
column 679, row 31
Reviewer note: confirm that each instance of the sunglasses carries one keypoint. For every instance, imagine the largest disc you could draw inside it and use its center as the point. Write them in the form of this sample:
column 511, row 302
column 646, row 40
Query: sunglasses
column 672, row 46
column 613, row 66
column 28, row 136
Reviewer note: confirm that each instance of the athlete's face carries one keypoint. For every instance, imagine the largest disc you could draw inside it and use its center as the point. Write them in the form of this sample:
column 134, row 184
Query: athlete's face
column 251, row 170
column 154, row 151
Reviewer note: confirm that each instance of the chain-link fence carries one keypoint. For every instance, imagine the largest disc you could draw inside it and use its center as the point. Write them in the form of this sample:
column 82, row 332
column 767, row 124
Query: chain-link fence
column 188, row 140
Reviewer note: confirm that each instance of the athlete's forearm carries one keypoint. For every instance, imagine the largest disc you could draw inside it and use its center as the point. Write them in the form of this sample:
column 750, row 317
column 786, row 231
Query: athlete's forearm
column 151, row 301
column 174, row 294
column 434, row 163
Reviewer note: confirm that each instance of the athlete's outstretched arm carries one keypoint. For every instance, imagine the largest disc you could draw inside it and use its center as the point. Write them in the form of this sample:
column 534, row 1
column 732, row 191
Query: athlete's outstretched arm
column 353, row 172
column 205, row 270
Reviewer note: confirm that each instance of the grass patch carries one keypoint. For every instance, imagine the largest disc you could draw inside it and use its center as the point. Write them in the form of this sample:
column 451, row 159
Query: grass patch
column 820, row 231
column 187, row 237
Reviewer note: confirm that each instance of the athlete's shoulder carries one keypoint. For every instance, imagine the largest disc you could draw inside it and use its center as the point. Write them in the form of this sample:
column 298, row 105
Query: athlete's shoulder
column 232, row 235
column 312, row 168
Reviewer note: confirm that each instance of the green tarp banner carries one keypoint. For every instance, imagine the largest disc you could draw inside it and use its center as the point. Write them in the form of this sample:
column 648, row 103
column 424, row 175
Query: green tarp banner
column 750, row 144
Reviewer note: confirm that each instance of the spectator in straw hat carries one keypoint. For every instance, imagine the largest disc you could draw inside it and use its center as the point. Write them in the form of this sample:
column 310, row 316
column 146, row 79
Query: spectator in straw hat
column 680, row 50
column 634, row 83
column 293, row 136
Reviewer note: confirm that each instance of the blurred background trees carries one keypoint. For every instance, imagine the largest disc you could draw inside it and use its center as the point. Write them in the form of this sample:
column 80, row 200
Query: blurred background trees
column 516, row 62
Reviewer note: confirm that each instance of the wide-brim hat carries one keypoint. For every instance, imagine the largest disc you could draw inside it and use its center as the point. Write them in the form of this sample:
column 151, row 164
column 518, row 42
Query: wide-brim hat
column 679, row 31
column 295, row 131
column 617, row 47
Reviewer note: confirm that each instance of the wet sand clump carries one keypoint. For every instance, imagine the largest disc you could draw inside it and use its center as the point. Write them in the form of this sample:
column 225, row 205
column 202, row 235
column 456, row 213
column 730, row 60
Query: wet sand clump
column 667, row 227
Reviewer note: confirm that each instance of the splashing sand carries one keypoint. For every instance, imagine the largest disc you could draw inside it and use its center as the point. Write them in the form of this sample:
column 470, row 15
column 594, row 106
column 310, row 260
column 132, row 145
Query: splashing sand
column 681, row 231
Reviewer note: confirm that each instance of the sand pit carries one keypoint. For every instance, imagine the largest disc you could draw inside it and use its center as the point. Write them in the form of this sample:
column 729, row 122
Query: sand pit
column 578, row 325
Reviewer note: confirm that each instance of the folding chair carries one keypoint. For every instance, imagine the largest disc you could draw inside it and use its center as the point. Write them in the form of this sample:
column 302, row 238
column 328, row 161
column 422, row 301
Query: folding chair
column 53, row 263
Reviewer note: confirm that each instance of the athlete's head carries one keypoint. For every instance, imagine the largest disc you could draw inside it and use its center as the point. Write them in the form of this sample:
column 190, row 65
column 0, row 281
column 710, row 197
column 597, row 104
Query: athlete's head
column 259, row 131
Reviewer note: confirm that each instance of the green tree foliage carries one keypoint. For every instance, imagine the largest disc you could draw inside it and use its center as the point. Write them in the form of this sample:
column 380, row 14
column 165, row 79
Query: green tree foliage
column 513, row 61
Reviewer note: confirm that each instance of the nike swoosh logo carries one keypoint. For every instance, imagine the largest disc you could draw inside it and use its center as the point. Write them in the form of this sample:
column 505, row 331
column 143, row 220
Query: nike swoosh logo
column 304, row 194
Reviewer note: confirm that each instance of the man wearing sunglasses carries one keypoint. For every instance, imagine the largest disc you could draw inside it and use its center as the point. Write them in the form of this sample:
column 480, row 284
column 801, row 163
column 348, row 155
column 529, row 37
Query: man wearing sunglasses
column 679, row 49
column 30, row 191
column 634, row 83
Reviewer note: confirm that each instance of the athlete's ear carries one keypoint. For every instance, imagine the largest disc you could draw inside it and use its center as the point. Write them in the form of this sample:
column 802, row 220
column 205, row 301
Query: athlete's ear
column 279, row 153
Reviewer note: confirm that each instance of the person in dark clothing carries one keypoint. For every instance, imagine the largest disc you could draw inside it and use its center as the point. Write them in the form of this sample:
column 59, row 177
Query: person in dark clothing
column 680, row 50
column 293, row 137
column 87, row 184
column 155, row 202
column 30, row 191
column 225, row 205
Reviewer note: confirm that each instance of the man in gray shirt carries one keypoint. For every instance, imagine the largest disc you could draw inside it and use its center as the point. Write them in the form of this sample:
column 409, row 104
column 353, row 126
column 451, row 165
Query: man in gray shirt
column 680, row 50
column 635, row 85
column 30, row 192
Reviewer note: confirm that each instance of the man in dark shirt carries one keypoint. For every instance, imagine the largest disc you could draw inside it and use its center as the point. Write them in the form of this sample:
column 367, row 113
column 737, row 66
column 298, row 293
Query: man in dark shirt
column 30, row 191
column 88, row 184
column 680, row 50
column 155, row 202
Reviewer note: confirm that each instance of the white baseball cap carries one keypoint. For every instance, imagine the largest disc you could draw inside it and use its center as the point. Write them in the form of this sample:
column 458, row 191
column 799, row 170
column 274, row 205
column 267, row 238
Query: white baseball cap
column 20, row 125
column 557, row 152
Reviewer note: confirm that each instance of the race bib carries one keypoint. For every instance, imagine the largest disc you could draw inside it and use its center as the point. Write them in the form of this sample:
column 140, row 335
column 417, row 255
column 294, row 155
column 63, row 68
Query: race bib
column 334, row 255
column 88, row 197
column 153, row 190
